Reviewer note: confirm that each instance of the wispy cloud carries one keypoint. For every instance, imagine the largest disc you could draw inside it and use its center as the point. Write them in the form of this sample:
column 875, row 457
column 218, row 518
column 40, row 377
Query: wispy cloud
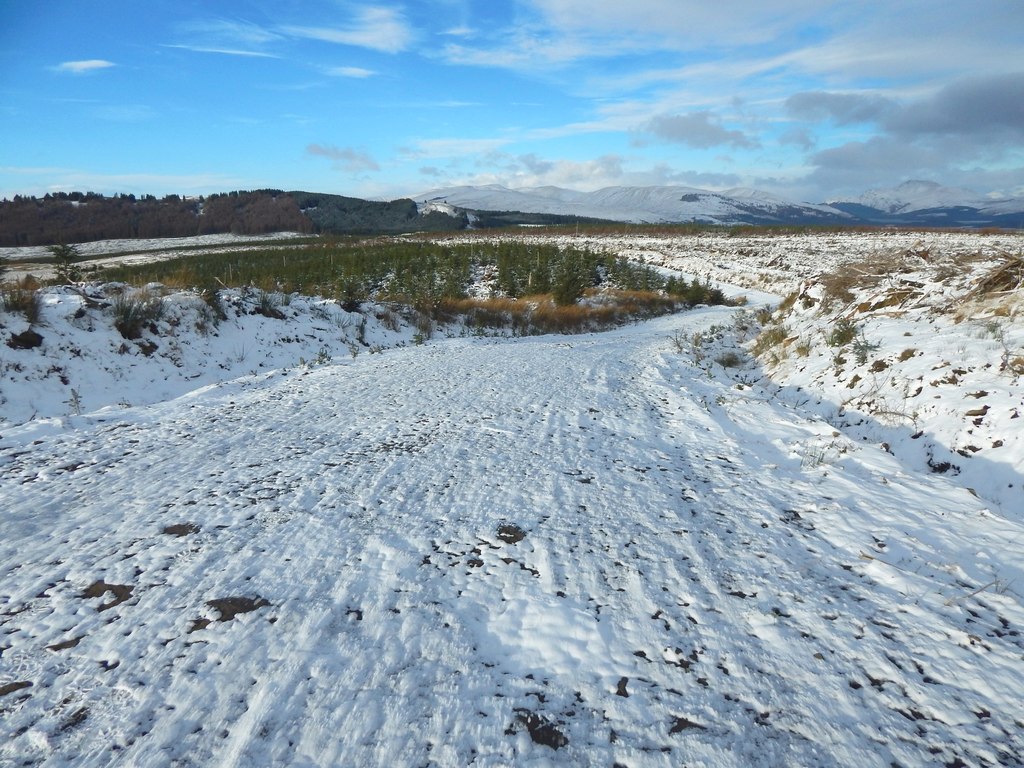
column 452, row 147
column 223, row 51
column 230, row 37
column 379, row 29
column 345, row 158
column 68, row 179
column 83, row 67
column 355, row 72
column 231, row 29
column 125, row 113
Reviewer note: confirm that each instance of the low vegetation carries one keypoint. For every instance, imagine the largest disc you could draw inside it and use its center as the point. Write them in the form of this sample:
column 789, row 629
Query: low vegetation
column 525, row 287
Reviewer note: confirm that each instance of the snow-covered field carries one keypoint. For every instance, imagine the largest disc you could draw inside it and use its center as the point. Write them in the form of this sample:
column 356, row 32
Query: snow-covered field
column 36, row 259
column 306, row 542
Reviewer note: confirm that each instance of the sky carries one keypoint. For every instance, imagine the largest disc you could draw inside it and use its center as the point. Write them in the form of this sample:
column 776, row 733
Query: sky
column 809, row 100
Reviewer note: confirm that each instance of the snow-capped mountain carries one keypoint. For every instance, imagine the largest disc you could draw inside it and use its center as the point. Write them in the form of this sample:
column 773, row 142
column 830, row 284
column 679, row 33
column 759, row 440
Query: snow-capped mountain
column 913, row 203
column 919, row 201
column 656, row 205
column 916, row 195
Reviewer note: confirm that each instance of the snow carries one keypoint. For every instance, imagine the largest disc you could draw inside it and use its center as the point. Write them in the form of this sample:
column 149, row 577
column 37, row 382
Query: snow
column 916, row 195
column 739, row 205
column 565, row 550
column 635, row 204
column 102, row 253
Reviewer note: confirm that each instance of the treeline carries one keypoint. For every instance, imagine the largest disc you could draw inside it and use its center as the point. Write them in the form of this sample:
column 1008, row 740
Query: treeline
column 76, row 217
column 336, row 214
column 81, row 217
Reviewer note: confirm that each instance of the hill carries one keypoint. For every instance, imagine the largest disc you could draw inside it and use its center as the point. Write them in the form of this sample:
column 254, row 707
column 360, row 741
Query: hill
column 85, row 217
column 920, row 204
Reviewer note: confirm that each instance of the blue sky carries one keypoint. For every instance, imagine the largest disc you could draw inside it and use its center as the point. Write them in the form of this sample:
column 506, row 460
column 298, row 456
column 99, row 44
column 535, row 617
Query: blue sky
column 803, row 98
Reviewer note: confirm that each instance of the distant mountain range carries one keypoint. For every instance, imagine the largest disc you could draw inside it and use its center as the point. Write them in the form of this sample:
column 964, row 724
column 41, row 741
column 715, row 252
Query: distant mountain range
column 76, row 217
column 914, row 203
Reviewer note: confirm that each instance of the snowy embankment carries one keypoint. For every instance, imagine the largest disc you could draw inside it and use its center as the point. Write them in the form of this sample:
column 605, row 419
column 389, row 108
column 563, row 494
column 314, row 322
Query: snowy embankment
column 591, row 550
column 82, row 363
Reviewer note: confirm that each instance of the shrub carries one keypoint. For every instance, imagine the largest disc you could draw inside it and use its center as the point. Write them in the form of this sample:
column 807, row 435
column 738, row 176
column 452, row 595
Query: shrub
column 570, row 281
column 267, row 305
column 729, row 360
column 770, row 337
column 844, row 331
column 862, row 348
column 27, row 301
column 211, row 297
column 786, row 304
column 64, row 266
column 695, row 292
column 351, row 294
column 133, row 312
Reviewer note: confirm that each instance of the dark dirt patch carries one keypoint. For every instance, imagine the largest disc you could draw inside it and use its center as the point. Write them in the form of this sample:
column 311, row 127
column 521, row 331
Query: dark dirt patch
column 180, row 529
column 942, row 467
column 511, row 534
column 680, row 724
column 25, row 340
column 121, row 592
column 74, row 719
column 620, row 690
column 229, row 607
column 65, row 644
column 12, row 687
column 541, row 730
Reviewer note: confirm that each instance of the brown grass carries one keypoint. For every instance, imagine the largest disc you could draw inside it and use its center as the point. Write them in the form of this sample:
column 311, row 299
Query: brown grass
column 1005, row 277
column 538, row 314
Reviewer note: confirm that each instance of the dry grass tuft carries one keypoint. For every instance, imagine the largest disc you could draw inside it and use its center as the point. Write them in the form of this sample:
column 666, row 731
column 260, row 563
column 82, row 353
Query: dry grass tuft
column 529, row 315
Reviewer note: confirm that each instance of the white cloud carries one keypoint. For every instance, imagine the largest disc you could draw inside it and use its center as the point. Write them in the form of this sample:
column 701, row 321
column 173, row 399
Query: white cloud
column 379, row 29
column 224, row 51
column 529, row 170
column 234, row 30
column 83, row 67
column 678, row 23
column 39, row 181
column 353, row 72
column 453, row 147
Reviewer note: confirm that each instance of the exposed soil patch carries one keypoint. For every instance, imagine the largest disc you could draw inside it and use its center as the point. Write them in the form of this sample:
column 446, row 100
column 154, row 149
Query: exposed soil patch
column 511, row 534
column 25, row 340
column 541, row 730
column 65, row 644
column 680, row 724
column 12, row 687
column 180, row 529
column 620, row 690
column 121, row 592
column 76, row 718
column 229, row 607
